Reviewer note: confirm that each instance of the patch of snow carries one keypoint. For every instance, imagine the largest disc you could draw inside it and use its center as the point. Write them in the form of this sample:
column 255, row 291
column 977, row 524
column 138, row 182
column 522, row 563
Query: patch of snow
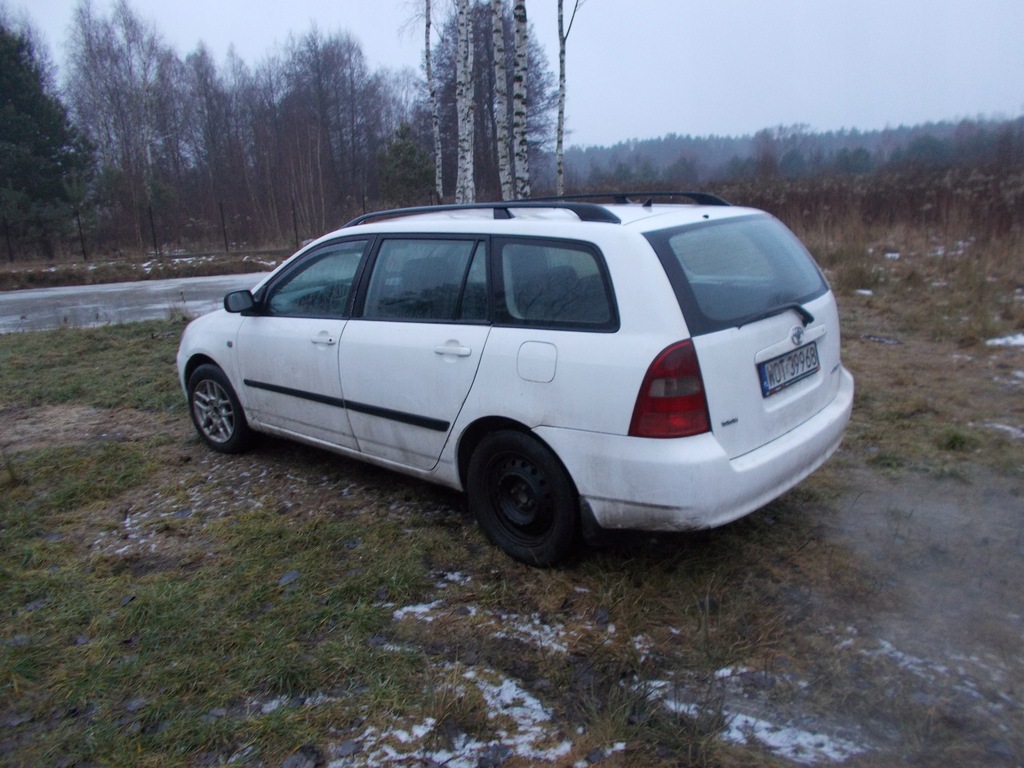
column 423, row 611
column 1015, row 432
column 787, row 741
column 445, row 578
column 892, row 256
column 726, row 672
column 523, row 730
column 1016, row 340
column 531, row 629
column 864, row 292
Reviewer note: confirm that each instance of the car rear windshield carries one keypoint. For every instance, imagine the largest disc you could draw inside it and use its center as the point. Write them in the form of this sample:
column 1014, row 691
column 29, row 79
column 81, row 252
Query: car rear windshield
column 732, row 272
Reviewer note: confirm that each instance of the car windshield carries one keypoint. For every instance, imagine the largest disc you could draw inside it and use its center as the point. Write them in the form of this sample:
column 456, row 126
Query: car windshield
column 727, row 273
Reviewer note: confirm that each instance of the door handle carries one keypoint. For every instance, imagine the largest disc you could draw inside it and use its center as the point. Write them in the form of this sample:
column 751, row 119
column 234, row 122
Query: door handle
column 324, row 338
column 453, row 348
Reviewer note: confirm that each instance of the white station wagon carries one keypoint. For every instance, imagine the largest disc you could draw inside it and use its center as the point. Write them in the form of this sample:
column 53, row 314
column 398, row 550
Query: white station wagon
column 573, row 367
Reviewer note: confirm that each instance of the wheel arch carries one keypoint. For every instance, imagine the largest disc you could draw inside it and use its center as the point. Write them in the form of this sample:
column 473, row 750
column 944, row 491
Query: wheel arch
column 480, row 428
column 194, row 362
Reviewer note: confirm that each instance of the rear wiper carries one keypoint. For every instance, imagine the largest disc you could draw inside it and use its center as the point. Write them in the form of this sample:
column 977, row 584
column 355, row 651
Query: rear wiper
column 806, row 316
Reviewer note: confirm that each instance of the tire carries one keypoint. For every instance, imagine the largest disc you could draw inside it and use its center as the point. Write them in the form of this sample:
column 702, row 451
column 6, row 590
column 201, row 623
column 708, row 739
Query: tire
column 523, row 499
column 216, row 412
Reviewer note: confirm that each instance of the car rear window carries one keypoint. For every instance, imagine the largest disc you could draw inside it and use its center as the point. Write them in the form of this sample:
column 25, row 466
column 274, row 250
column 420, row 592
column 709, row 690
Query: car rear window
column 727, row 273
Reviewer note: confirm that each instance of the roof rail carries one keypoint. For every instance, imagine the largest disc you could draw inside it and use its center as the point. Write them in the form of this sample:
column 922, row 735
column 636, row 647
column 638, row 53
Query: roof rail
column 502, row 210
column 624, row 198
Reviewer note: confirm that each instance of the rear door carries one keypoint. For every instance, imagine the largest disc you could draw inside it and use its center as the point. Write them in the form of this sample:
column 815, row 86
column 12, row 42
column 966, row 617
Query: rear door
column 410, row 357
column 763, row 322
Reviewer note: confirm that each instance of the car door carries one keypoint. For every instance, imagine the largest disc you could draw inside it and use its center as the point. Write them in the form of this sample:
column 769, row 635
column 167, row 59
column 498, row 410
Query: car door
column 410, row 355
column 288, row 350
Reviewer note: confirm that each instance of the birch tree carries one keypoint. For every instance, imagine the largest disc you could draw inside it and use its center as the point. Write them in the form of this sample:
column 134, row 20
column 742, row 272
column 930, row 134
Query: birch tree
column 501, row 99
column 519, row 102
column 435, row 117
column 465, row 186
column 563, row 35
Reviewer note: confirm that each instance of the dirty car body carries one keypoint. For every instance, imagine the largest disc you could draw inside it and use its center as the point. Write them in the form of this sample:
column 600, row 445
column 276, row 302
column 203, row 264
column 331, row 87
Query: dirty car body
column 571, row 366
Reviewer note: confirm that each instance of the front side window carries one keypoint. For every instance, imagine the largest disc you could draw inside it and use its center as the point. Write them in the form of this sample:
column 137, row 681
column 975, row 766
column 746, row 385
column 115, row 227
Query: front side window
column 729, row 272
column 553, row 284
column 423, row 279
column 321, row 285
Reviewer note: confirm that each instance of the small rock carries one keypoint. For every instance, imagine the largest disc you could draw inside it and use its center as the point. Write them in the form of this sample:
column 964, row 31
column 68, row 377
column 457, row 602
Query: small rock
column 348, row 748
column 135, row 705
column 307, row 756
column 595, row 756
column 1001, row 748
column 35, row 605
column 494, row 756
column 602, row 617
column 760, row 680
column 13, row 721
column 288, row 578
column 708, row 605
column 126, row 599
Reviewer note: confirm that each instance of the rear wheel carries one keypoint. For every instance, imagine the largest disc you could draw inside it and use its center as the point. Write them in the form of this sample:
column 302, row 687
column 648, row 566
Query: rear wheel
column 523, row 498
column 216, row 412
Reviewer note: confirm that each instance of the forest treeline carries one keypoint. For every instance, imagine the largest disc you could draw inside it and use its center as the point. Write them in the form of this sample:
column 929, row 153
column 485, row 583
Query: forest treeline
column 135, row 147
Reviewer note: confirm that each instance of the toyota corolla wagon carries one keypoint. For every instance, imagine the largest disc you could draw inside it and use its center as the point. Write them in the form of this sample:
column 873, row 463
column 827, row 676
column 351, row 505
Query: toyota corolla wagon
column 571, row 366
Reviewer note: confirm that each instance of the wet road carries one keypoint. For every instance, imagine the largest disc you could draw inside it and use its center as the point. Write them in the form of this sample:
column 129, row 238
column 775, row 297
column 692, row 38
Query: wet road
column 84, row 306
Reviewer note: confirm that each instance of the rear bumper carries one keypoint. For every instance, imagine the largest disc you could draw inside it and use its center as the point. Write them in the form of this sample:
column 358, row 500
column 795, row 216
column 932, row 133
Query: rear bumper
column 690, row 483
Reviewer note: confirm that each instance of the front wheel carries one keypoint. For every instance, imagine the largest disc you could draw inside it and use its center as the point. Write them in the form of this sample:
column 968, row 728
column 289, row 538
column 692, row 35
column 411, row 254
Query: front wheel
column 523, row 498
column 216, row 412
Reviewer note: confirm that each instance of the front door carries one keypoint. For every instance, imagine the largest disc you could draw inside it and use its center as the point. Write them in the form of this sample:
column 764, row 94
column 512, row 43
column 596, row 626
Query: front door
column 288, row 353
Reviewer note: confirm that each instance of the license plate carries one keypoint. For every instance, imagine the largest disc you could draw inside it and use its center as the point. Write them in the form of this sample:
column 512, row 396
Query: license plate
column 779, row 372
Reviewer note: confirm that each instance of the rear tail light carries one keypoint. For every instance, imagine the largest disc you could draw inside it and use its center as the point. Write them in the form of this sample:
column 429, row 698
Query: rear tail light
column 671, row 402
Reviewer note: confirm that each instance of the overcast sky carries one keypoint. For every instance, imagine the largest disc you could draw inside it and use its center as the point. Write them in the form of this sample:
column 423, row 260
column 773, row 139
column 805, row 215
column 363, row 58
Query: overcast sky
column 644, row 68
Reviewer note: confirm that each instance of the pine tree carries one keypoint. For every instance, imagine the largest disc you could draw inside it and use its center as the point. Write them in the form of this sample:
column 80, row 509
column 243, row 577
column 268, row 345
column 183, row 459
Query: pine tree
column 40, row 151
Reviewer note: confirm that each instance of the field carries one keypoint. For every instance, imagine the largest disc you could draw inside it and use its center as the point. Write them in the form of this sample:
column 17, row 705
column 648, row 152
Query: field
column 165, row 605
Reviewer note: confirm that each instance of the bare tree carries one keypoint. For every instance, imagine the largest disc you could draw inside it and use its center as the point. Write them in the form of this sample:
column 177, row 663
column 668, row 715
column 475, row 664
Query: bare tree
column 519, row 102
column 563, row 35
column 501, row 99
column 435, row 118
column 114, row 87
column 465, row 188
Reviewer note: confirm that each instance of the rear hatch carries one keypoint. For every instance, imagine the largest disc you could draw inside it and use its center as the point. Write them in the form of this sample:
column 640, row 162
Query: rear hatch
column 763, row 322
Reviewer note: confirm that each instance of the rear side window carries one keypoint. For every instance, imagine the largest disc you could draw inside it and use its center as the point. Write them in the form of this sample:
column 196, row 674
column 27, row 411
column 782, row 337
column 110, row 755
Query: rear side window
column 728, row 273
column 553, row 284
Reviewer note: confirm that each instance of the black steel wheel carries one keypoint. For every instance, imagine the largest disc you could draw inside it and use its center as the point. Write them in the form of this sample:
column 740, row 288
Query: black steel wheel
column 216, row 412
column 523, row 498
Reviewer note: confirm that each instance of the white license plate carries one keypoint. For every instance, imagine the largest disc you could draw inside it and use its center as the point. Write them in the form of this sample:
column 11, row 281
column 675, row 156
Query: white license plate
column 779, row 372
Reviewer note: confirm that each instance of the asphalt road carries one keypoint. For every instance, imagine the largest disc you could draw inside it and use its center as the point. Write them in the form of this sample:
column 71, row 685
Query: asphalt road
column 86, row 306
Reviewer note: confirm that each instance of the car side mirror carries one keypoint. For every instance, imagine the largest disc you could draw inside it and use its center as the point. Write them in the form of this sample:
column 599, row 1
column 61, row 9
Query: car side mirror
column 239, row 301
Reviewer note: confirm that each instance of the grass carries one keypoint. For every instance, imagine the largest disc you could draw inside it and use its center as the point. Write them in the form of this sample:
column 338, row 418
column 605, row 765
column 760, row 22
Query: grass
column 164, row 605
